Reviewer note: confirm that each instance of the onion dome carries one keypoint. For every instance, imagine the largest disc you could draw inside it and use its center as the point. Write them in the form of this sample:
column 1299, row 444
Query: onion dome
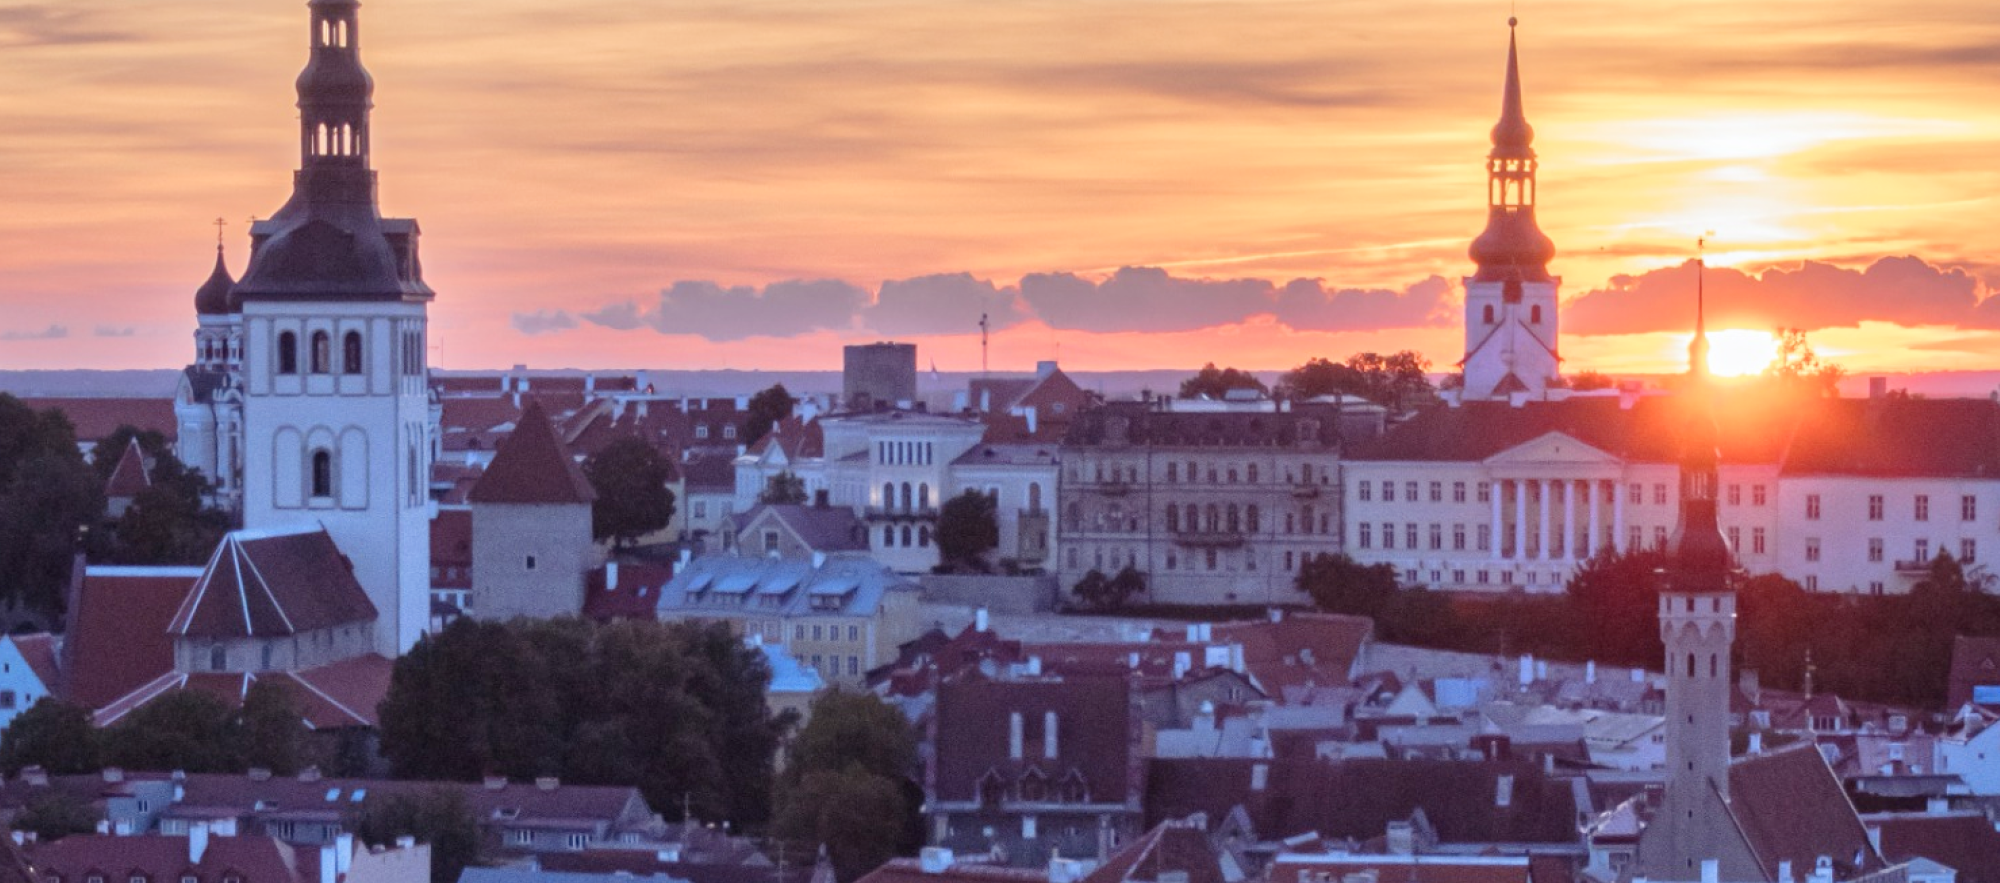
column 212, row 298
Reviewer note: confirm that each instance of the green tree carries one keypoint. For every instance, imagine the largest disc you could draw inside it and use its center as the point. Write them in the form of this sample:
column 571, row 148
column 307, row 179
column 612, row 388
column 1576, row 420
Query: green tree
column 1215, row 383
column 968, row 526
column 271, row 731
column 767, row 407
column 1797, row 368
column 56, row 815
column 632, row 494
column 52, row 734
column 1109, row 593
column 1397, row 381
column 48, row 494
column 472, row 700
column 183, row 730
column 1586, row 381
column 849, row 785
column 783, row 488
column 439, row 817
column 1340, row 584
column 170, row 522
column 1614, row 600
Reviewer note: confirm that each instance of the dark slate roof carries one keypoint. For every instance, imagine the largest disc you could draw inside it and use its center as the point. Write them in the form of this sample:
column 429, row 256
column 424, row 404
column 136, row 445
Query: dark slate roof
column 710, row 471
column 1302, row 648
column 1963, row 841
column 1754, row 429
column 118, row 636
column 821, row 528
column 1894, row 436
column 265, row 585
column 1357, row 799
column 1975, row 662
column 1169, row 847
column 1093, row 739
column 129, row 477
column 251, row 857
column 1790, row 807
column 212, row 298
column 531, row 467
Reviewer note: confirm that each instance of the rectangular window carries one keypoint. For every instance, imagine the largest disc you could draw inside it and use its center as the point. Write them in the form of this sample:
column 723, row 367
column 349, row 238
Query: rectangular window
column 1437, row 491
column 1875, row 588
column 701, row 508
column 853, row 665
column 1365, row 538
column 1636, row 494
column 816, row 633
column 1756, row 541
column 1388, row 492
column 1410, row 491
column 1874, row 507
column 1485, row 538
column 1288, row 555
column 1968, row 508
column 798, row 633
column 1923, row 507
column 1363, row 492
column 1410, row 535
column 1812, row 507
column 1211, row 559
column 1735, row 497
column 1458, row 492
column 854, row 633
column 1388, row 535
column 1923, row 550
column 1458, row 539
column 1735, row 540
column 1968, row 551
column 1437, row 538
column 1660, row 494
column 1458, row 576
column 1483, row 577
column 1875, row 549
column 1633, row 537
column 1486, row 492
column 1812, row 582
column 1659, row 537
column 1812, row 548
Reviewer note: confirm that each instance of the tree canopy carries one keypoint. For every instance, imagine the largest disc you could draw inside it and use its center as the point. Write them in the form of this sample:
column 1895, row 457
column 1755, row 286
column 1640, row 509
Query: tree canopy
column 768, row 406
column 439, row 817
column 1396, row 381
column 1340, row 584
column 1216, row 383
column 170, row 522
column 48, row 495
column 633, row 499
column 968, row 526
column 673, row 709
column 785, row 487
column 1797, row 368
column 52, row 734
column 1109, row 593
column 849, row 785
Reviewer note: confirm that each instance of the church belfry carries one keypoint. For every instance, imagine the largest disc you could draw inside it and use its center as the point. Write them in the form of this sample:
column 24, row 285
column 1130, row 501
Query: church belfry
column 1510, row 300
column 334, row 375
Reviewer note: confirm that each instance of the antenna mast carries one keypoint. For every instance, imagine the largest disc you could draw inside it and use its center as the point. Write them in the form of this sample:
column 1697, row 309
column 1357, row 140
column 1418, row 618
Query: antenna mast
column 982, row 345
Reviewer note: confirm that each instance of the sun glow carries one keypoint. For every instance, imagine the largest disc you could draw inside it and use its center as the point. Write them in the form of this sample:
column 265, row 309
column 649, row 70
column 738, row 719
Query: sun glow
column 1736, row 352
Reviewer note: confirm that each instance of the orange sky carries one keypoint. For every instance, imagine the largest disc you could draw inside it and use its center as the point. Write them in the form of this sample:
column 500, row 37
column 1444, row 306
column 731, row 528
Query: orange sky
column 570, row 159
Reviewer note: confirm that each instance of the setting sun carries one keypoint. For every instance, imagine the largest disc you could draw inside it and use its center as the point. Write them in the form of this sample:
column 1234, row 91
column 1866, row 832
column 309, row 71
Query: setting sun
column 1736, row 352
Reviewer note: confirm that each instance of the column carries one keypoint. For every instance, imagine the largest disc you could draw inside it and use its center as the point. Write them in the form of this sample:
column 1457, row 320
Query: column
column 1496, row 534
column 1520, row 518
column 1547, row 487
column 1617, row 514
column 1569, row 519
column 1596, row 518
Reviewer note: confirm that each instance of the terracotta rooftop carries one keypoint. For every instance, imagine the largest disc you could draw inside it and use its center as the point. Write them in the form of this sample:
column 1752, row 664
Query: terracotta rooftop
column 265, row 585
column 129, row 477
column 118, row 636
column 1964, row 841
column 96, row 418
column 1975, row 663
column 532, row 468
column 1791, row 807
column 249, row 858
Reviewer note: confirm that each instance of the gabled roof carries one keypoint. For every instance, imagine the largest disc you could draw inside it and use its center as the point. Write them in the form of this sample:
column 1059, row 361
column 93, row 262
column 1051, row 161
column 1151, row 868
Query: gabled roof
column 1093, row 737
column 1754, row 429
column 129, row 477
column 117, row 637
column 820, row 528
column 798, row 439
column 1169, row 847
column 266, row 585
column 1964, row 841
column 253, row 858
column 1302, row 648
column 451, row 549
column 531, row 467
column 1791, row 807
column 39, row 652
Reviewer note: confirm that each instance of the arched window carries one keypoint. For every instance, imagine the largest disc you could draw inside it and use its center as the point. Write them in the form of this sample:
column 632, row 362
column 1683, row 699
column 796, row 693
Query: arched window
column 322, row 353
column 350, row 353
column 1235, row 519
column 907, row 496
column 288, row 353
column 1535, row 314
column 322, row 473
column 923, row 536
column 924, row 495
column 1714, row 668
column 1690, row 665
column 1214, row 518
column 1173, row 518
column 1250, row 518
column 888, row 535
column 906, row 536
column 1488, row 314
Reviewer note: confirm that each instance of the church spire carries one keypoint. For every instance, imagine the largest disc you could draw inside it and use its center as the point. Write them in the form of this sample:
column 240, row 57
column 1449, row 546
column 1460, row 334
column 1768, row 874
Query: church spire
column 1512, row 247
column 1698, row 347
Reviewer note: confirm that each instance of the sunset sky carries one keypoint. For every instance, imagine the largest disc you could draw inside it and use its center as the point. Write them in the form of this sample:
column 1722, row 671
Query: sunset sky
column 1139, row 183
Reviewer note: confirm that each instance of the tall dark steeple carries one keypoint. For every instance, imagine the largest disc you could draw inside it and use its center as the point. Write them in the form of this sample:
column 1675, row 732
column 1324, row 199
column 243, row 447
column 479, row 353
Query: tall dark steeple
column 1701, row 560
column 1512, row 247
column 328, row 241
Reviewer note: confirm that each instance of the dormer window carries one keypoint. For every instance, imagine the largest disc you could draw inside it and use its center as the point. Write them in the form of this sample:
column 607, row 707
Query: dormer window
column 1535, row 314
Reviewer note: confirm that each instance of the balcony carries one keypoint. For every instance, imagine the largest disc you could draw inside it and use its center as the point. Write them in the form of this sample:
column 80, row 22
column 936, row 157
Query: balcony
column 899, row 513
column 1114, row 488
column 1212, row 539
column 1913, row 566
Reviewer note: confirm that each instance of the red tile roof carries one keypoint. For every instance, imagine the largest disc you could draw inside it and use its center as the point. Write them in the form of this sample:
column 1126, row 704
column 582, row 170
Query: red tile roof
column 129, row 478
column 118, row 636
column 532, row 467
column 1169, row 847
column 96, row 418
column 637, row 595
column 263, row 585
column 910, row 870
column 1303, row 648
column 1402, row 868
column 1964, row 841
column 1897, row 437
column 253, row 859
column 1975, row 662
column 1093, row 740
column 341, row 694
column 39, row 650
column 1791, row 807
column 451, row 549
column 1753, row 429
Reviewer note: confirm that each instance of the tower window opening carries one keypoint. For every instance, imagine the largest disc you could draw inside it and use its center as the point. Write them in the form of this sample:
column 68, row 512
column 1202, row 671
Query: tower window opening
column 1714, row 668
column 322, row 353
column 1489, row 314
column 1690, row 671
column 322, row 473
column 350, row 353
column 288, row 353
column 340, row 34
column 1535, row 314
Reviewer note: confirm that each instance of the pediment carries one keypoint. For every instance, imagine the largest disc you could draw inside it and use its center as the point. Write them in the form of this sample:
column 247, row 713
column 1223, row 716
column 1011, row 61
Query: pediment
column 1554, row 449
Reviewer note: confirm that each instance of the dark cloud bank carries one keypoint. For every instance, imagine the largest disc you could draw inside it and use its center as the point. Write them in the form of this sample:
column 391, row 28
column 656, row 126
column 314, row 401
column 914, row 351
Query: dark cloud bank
column 1812, row 295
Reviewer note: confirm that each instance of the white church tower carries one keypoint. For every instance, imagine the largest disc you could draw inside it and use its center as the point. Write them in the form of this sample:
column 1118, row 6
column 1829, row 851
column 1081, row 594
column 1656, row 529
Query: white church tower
column 335, row 398
column 1510, row 302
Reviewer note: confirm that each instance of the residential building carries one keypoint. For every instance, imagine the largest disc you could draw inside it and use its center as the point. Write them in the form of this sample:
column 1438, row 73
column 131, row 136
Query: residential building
column 790, row 530
column 878, row 376
column 28, row 672
column 840, row 615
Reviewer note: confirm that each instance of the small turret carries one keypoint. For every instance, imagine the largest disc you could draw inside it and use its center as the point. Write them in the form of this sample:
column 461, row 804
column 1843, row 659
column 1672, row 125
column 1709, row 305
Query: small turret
column 212, row 298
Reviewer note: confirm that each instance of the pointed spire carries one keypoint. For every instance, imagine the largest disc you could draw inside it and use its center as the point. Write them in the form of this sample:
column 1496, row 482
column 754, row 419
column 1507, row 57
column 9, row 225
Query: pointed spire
column 1512, row 136
column 1698, row 347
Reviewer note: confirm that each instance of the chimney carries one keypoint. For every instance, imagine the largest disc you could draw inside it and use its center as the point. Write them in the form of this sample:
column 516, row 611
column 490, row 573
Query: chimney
column 35, row 775
column 343, row 853
column 1277, row 614
column 1937, row 806
column 1749, row 683
column 1402, row 838
column 1590, row 671
column 1014, row 735
column 1756, row 743
column 1711, row 871
column 1193, row 632
column 1034, row 665
column 114, row 774
column 1204, row 719
column 224, row 827
column 1029, row 412
column 309, row 774
column 589, row 383
column 1045, row 368
column 1182, row 662
column 934, row 859
column 197, row 842
column 406, row 842
column 1260, row 776
column 495, row 783
column 1503, row 791
column 1065, row 870
column 686, row 556
column 1785, row 871
column 979, row 621
column 1541, row 670
column 1527, row 675
column 611, row 576
column 1049, row 743
column 1822, row 870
